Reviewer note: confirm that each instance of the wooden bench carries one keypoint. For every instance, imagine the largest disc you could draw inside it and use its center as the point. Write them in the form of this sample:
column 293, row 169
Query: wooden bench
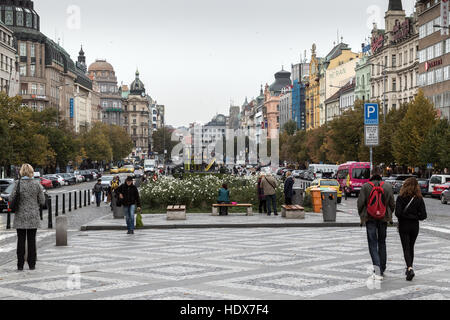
column 215, row 211
column 177, row 212
column 293, row 212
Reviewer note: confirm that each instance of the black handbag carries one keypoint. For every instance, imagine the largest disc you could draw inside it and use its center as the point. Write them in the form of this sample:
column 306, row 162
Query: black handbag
column 14, row 203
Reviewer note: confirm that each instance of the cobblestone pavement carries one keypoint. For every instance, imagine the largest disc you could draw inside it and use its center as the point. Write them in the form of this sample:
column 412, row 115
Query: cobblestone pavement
column 253, row 264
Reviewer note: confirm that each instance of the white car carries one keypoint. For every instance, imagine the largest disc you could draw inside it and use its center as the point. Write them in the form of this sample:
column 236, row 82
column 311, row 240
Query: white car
column 79, row 177
column 436, row 180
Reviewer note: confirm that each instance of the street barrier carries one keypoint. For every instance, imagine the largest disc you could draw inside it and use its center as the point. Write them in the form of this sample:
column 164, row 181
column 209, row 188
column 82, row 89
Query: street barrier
column 50, row 221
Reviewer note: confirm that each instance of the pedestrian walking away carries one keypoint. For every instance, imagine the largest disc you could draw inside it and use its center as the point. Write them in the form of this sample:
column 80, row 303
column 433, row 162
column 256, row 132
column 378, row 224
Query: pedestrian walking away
column 375, row 207
column 28, row 194
column 98, row 190
column 410, row 209
column 130, row 200
column 289, row 188
column 261, row 196
column 224, row 198
column 269, row 185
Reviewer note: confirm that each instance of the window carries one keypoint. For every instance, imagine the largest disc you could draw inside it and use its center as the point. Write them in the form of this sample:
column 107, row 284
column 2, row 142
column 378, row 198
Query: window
column 430, row 53
column 423, row 79
column 385, row 61
column 33, row 51
column 447, row 46
column 394, row 85
column 32, row 70
column 446, row 73
column 411, row 55
column 430, row 28
column 430, row 78
column 29, row 20
column 361, row 174
column 19, row 17
column 423, row 31
column 134, row 108
column 394, row 60
column 438, row 49
column 34, row 88
column 437, row 22
column 9, row 16
column 422, row 56
column 400, row 56
column 23, row 50
column 23, row 70
column 439, row 75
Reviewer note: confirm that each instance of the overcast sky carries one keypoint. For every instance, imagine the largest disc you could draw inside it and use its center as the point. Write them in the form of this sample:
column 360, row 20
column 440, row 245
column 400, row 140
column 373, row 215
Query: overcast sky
column 197, row 56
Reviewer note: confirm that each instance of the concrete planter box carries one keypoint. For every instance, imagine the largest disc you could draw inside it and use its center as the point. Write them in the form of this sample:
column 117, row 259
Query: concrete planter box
column 176, row 213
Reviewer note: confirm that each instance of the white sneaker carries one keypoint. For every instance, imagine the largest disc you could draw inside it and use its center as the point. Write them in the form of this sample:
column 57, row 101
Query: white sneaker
column 377, row 277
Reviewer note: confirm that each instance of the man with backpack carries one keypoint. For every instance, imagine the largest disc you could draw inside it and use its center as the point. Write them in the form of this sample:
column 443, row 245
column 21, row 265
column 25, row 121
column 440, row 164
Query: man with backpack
column 375, row 207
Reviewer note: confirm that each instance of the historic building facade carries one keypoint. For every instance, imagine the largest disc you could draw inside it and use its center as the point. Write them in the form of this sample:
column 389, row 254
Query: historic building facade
column 394, row 63
column 9, row 77
column 434, row 55
column 313, row 92
column 136, row 118
column 362, row 75
column 102, row 73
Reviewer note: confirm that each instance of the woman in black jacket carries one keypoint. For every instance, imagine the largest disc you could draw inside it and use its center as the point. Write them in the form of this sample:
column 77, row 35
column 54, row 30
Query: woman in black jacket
column 410, row 209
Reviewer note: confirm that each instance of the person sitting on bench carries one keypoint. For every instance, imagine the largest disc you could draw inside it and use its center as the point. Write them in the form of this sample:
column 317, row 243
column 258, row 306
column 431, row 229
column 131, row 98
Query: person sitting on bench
column 224, row 198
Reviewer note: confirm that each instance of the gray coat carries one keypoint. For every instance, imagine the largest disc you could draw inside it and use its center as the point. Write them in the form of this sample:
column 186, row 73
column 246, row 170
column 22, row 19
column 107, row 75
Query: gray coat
column 31, row 197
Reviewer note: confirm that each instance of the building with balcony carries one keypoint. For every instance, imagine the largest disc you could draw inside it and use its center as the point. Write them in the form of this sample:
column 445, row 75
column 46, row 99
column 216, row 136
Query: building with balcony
column 9, row 76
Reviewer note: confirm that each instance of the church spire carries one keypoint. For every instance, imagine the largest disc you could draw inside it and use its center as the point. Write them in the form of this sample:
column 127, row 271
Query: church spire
column 395, row 5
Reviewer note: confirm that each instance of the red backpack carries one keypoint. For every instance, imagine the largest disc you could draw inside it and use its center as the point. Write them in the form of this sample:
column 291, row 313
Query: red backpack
column 376, row 207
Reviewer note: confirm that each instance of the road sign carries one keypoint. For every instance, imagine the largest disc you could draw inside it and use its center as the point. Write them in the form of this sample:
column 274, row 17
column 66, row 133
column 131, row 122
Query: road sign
column 429, row 166
column 371, row 114
column 71, row 108
column 372, row 136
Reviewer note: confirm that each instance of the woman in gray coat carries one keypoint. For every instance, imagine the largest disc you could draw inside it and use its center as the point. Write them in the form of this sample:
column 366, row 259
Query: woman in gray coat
column 27, row 218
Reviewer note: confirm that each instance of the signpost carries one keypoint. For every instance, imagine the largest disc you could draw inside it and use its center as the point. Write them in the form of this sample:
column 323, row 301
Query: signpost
column 371, row 127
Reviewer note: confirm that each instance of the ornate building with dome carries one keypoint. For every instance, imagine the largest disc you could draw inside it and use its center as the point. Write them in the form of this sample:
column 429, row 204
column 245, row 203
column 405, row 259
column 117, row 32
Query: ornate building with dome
column 136, row 116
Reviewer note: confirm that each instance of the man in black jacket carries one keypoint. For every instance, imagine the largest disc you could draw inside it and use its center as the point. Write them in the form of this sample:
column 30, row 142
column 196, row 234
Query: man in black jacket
column 129, row 199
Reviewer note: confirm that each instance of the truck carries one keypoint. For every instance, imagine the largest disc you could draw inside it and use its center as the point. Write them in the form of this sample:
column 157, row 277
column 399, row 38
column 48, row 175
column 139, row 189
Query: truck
column 149, row 165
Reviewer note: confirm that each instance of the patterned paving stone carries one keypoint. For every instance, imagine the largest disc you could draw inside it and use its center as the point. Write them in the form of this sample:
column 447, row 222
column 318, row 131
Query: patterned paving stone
column 419, row 292
column 306, row 285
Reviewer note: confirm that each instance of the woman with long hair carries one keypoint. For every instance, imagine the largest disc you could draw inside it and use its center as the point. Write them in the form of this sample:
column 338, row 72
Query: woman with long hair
column 410, row 209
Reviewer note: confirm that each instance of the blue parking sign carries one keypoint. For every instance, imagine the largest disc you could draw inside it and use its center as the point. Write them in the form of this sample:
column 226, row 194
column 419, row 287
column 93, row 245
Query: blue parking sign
column 371, row 114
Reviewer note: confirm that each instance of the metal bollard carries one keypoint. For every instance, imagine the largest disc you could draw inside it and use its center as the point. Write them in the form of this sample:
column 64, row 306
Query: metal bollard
column 80, row 200
column 8, row 221
column 56, row 205
column 61, row 231
column 70, row 201
column 85, row 198
column 50, row 221
column 74, row 200
column 89, row 197
column 40, row 213
column 64, row 204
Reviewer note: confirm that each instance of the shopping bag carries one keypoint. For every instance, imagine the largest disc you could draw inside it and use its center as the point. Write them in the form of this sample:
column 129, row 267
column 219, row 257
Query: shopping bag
column 139, row 223
column 106, row 200
column 93, row 198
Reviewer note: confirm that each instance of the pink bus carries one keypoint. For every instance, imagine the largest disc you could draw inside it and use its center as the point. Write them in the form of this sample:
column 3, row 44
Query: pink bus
column 359, row 173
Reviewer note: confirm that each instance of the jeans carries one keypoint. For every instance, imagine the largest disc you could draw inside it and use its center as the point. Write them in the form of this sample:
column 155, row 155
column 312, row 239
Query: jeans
column 271, row 203
column 129, row 216
column 28, row 236
column 98, row 198
column 376, row 236
column 409, row 231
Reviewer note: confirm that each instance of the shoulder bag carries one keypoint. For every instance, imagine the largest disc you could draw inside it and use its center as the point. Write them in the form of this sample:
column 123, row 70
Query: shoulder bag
column 14, row 206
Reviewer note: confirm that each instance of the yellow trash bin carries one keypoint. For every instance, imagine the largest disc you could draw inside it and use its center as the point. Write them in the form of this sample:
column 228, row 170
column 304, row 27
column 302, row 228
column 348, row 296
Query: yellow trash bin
column 316, row 200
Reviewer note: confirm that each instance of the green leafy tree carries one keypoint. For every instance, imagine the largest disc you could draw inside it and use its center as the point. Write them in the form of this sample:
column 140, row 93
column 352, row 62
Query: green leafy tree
column 412, row 131
column 436, row 147
column 162, row 140
column 290, row 127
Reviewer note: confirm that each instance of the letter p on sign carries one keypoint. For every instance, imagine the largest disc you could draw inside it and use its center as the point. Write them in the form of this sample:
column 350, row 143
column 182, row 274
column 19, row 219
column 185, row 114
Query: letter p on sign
column 371, row 114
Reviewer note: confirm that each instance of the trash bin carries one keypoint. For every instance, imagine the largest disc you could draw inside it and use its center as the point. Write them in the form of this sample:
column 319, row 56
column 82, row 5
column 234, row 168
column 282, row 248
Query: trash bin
column 298, row 196
column 329, row 205
column 316, row 200
column 117, row 211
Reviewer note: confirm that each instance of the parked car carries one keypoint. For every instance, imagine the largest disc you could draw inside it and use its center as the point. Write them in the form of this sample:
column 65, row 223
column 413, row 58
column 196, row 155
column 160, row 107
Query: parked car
column 397, row 181
column 98, row 173
column 296, row 174
column 114, row 170
column 79, row 177
column 424, row 183
column 69, row 178
column 5, row 183
column 327, row 184
column 54, row 180
column 445, row 196
column 439, row 189
column 437, row 179
column 87, row 174
column 127, row 169
column 47, row 184
column 4, row 198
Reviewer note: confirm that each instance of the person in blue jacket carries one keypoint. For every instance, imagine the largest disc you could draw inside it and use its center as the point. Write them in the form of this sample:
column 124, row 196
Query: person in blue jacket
column 224, row 197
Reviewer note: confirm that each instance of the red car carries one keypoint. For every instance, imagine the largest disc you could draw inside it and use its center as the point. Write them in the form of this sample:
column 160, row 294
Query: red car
column 47, row 184
column 438, row 189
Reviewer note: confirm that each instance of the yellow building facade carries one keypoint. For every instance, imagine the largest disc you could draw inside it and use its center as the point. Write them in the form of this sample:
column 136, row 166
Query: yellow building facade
column 312, row 95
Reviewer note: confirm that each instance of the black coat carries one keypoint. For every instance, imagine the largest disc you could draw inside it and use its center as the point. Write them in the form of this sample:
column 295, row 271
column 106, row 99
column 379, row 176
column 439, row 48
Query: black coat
column 130, row 195
column 415, row 212
column 288, row 187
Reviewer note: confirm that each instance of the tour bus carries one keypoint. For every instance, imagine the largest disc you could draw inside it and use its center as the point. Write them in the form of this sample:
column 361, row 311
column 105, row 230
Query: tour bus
column 359, row 173
column 319, row 169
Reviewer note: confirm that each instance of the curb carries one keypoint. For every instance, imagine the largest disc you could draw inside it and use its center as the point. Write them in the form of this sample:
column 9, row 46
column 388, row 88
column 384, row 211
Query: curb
column 226, row 226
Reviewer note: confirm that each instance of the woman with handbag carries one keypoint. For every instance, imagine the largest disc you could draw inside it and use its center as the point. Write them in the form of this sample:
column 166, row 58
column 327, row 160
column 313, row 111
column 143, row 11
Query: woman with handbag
column 410, row 209
column 26, row 199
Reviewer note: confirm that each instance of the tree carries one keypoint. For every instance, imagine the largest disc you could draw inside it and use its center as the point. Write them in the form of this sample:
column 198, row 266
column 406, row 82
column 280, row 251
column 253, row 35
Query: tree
column 96, row 144
column 121, row 142
column 436, row 147
column 412, row 130
column 162, row 140
column 290, row 127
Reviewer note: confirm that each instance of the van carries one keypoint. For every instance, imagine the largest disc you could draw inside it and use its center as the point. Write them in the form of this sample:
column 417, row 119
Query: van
column 359, row 173
column 437, row 179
